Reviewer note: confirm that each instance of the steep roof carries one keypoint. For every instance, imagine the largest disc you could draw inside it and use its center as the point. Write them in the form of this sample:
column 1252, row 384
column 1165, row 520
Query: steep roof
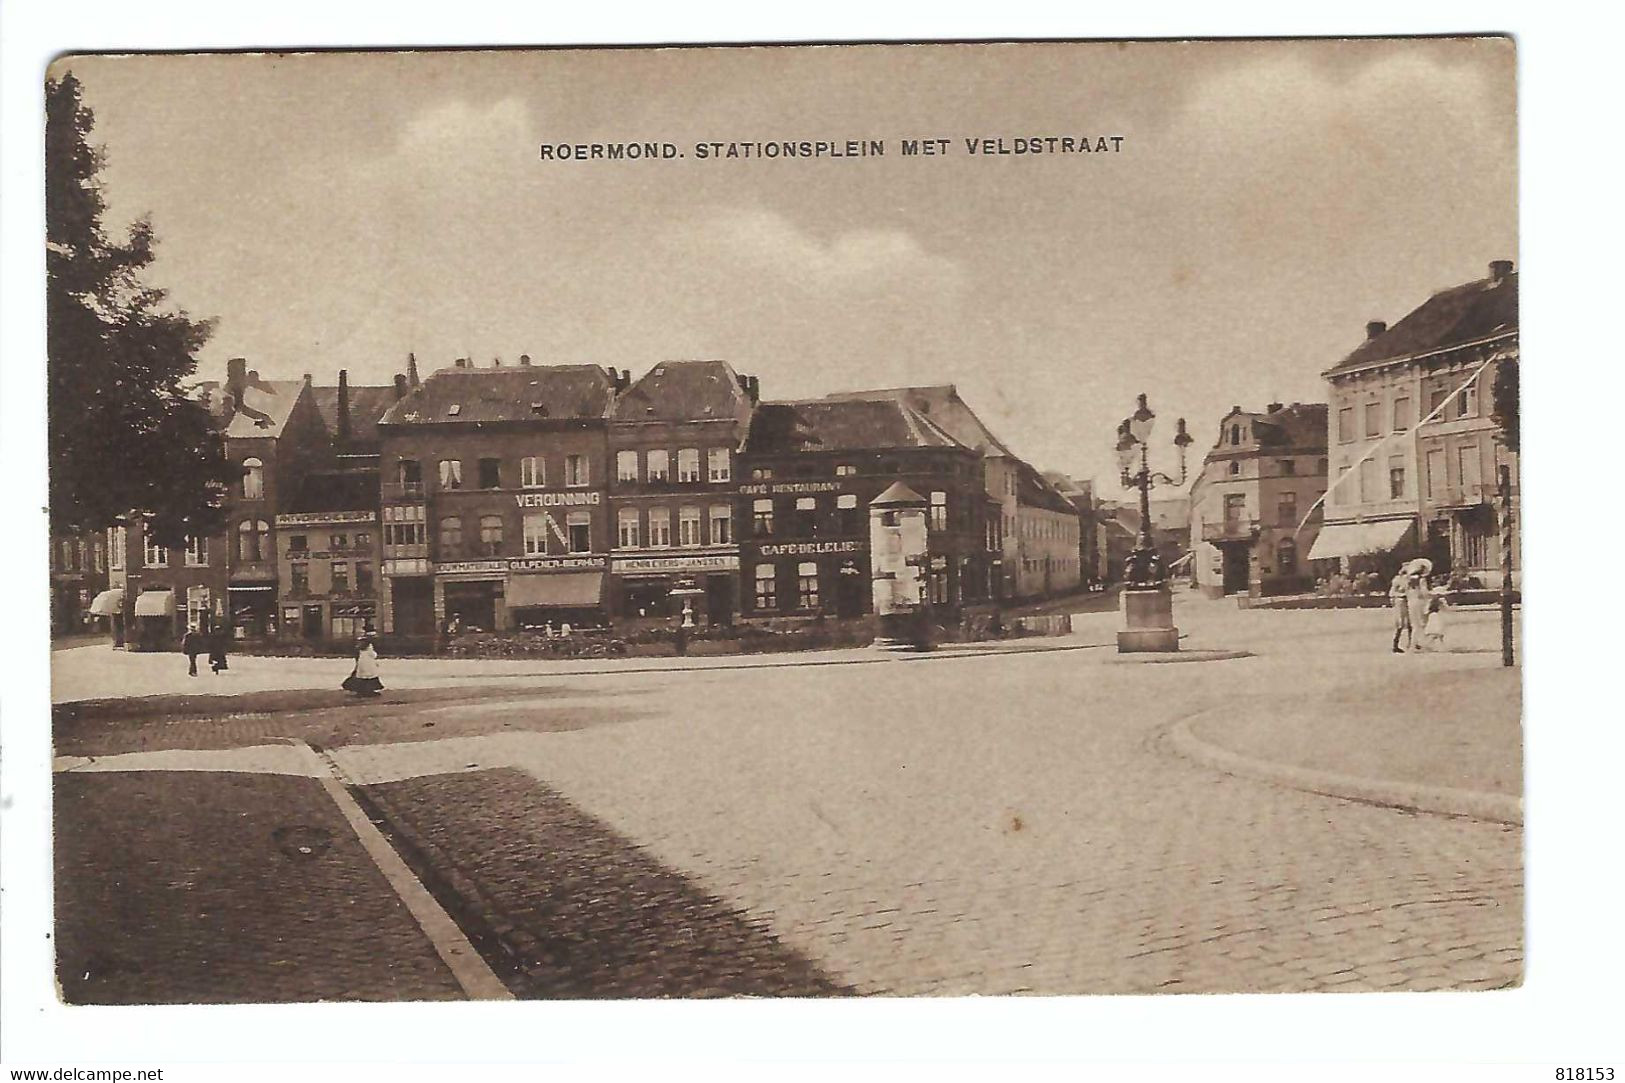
column 333, row 490
column 1034, row 490
column 941, row 403
column 1467, row 313
column 684, row 391
column 367, row 406
column 506, row 393
column 1303, row 424
column 825, row 425
column 274, row 399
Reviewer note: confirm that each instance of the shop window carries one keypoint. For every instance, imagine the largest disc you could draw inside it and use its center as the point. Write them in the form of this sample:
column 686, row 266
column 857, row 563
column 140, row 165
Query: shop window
column 197, row 552
column 253, row 479
column 626, row 528
column 761, row 518
column 579, row 527
column 626, row 466
column 152, row 554
column 451, row 473
column 1286, row 557
column 688, row 527
column 807, row 585
column 341, row 577
column 535, row 534
column 721, row 524
column 688, row 465
column 532, row 472
column 363, row 576
column 491, row 535
column 253, row 541
column 718, row 464
column 576, row 473
column 939, row 511
column 806, row 516
column 659, row 465
column 767, row 587
column 299, row 577
column 659, row 528
column 451, row 537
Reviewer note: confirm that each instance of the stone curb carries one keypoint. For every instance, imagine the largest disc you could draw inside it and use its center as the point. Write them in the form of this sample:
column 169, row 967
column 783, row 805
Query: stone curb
column 1439, row 800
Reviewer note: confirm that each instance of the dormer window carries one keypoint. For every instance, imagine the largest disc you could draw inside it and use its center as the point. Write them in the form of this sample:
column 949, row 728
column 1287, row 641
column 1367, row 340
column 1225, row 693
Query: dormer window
column 454, row 409
column 1235, row 434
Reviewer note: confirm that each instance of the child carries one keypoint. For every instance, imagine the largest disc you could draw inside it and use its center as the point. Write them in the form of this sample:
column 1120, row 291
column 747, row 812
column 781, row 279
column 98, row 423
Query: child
column 1433, row 630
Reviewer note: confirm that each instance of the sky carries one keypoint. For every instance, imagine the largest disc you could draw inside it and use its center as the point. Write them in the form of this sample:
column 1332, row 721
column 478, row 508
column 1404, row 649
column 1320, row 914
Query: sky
column 340, row 210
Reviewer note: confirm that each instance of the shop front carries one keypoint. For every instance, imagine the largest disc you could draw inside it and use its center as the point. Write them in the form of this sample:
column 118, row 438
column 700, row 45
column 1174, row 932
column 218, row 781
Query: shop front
column 253, row 610
column 830, row 577
column 642, row 585
column 471, row 595
column 155, row 615
column 545, row 592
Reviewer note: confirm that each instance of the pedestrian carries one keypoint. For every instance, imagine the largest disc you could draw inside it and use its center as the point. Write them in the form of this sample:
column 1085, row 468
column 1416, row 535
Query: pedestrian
column 1399, row 599
column 1433, row 632
column 1416, row 599
column 217, row 651
column 363, row 679
column 192, row 645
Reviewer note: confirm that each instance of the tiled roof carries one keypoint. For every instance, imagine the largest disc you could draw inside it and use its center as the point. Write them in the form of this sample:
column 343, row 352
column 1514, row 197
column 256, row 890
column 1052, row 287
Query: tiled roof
column 684, row 391
column 1452, row 317
column 336, row 491
column 367, row 406
column 826, row 425
column 941, row 403
column 1303, row 424
column 506, row 393
column 1032, row 489
column 273, row 398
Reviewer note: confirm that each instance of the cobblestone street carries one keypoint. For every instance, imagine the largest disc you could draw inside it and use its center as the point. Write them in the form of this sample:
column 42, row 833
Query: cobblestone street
column 1014, row 823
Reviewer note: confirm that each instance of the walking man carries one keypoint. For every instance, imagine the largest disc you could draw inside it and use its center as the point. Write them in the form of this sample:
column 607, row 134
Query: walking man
column 192, row 645
column 1399, row 597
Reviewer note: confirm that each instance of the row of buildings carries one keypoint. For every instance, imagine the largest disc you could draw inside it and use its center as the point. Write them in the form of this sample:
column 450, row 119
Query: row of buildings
column 1408, row 443
column 509, row 496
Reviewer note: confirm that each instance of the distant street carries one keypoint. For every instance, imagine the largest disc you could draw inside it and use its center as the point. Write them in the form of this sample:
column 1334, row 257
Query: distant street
column 769, row 826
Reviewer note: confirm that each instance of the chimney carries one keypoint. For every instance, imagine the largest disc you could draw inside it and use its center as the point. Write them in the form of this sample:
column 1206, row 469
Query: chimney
column 236, row 377
column 1499, row 269
column 461, row 362
column 1273, row 408
column 1375, row 328
column 744, row 383
column 308, row 380
column 524, row 360
column 400, row 386
column 412, row 369
column 1235, row 409
column 343, row 425
column 755, row 389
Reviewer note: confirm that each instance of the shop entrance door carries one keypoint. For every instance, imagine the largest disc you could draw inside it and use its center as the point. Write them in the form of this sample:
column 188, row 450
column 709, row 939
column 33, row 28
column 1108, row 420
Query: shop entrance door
column 1235, row 569
column 719, row 599
column 311, row 622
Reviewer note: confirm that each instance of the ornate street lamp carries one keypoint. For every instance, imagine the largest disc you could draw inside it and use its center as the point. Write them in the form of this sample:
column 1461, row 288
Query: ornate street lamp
column 1147, row 603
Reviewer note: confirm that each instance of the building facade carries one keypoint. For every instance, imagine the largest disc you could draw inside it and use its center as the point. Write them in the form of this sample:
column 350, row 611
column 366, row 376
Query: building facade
column 494, row 507
column 78, row 577
column 1414, row 450
column 1259, row 484
column 675, row 438
column 808, row 475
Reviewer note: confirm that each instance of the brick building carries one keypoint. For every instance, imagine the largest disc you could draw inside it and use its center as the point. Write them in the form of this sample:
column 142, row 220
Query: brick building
column 78, row 579
column 674, row 442
column 808, row 473
column 494, row 498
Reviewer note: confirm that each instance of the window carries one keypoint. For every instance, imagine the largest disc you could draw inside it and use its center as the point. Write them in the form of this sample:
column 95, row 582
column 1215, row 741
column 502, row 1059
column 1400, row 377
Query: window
column 1235, row 434
column 762, row 473
column 575, row 471
column 197, row 552
column 341, row 577
column 490, row 473
column 767, row 593
column 1467, row 401
column 118, row 540
column 845, row 470
column 659, row 528
column 99, row 554
column 298, row 543
column 299, row 577
column 626, row 466
column 152, row 554
column 939, row 511
column 718, row 464
column 1373, row 418
column 338, row 541
column 1436, row 473
column 761, row 518
column 491, row 535
column 1402, row 413
column 1235, row 468
column 1396, row 477
column 451, row 473
column 626, row 528
column 688, row 465
column 1235, row 511
column 806, row 515
column 579, row 525
column 363, row 576
column 1342, row 487
column 409, row 475
column 451, row 536
column 363, row 539
column 721, row 524
column 807, row 585
column 535, row 533
column 1436, row 399
column 1467, row 463
column 1289, row 467
column 253, row 479
column 688, row 526
column 1369, row 489
column 1345, row 424
column 404, row 527
column 939, row 585
column 1286, row 509
column 532, row 472
column 846, row 509
column 253, row 541
column 1286, row 557
column 659, row 465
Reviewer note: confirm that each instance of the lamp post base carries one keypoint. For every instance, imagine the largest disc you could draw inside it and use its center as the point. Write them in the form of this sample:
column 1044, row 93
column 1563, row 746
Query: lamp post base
column 1149, row 618
column 903, row 632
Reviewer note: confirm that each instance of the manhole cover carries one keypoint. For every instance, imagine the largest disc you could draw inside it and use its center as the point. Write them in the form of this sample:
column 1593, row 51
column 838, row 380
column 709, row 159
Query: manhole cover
column 302, row 840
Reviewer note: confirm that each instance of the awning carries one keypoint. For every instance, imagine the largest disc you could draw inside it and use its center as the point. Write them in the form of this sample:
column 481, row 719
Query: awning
column 109, row 603
column 155, row 603
column 581, row 590
column 1356, row 539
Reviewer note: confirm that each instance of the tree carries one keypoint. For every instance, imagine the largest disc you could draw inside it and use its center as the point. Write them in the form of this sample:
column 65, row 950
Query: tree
column 124, row 433
column 1504, row 401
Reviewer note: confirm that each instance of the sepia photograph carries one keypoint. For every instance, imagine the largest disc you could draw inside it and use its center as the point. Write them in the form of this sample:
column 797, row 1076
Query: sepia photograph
column 912, row 520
